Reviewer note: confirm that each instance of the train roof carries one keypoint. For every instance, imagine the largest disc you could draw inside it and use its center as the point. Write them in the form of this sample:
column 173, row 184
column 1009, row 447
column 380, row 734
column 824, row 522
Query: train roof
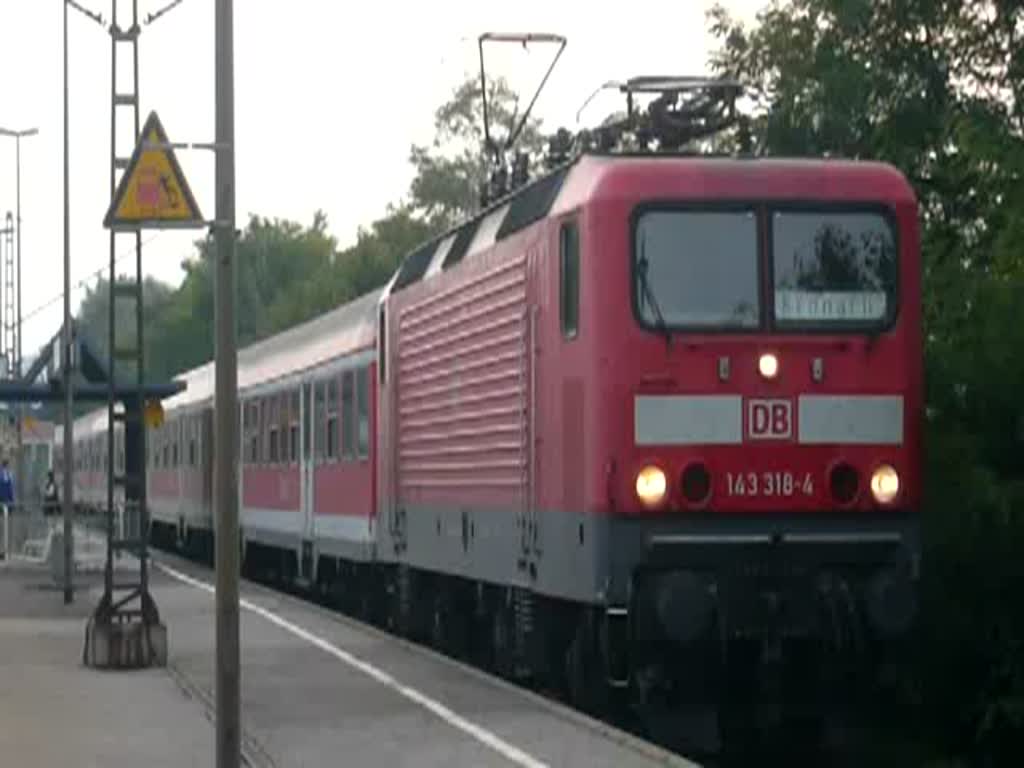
column 90, row 425
column 341, row 331
column 344, row 330
column 592, row 176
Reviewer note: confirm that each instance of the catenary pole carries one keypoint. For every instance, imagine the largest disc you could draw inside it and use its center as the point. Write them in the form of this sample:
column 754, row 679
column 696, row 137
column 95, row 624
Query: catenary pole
column 66, row 343
column 19, row 467
column 226, row 403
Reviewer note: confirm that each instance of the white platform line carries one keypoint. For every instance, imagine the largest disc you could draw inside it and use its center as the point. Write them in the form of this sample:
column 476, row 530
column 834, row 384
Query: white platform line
column 485, row 737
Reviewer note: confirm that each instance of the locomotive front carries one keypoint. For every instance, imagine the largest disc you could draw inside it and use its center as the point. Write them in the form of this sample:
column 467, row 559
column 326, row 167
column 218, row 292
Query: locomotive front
column 766, row 474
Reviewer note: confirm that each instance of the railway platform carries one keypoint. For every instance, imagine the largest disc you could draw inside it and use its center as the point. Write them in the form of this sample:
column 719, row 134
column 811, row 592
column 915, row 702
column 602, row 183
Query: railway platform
column 54, row 711
column 318, row 689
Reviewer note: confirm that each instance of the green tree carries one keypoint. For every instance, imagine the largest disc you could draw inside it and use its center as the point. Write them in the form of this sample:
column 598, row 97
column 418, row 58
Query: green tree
column 94, row 322
column 452, row 169
column 935, row 87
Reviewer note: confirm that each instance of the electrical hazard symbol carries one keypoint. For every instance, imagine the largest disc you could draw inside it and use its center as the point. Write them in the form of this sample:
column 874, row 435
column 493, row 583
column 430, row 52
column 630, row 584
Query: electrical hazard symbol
column 153, row 192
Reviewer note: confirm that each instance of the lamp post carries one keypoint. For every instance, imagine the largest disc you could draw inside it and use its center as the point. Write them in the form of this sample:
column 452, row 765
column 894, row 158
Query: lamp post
column 19, row 466
column 66, row 357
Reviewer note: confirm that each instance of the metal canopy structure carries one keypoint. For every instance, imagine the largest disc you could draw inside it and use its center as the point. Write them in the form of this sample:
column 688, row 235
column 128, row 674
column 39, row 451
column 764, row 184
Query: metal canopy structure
column 93, row 379
column 44, row 381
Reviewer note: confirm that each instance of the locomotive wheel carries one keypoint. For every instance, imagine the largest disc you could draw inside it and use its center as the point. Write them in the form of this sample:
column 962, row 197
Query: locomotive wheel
column 502, row 641
column 402, row 602
column 362, row 603
column 438, row 634
column 587, row 687
column 737, row 708
column 445, row 629
column 803, row 723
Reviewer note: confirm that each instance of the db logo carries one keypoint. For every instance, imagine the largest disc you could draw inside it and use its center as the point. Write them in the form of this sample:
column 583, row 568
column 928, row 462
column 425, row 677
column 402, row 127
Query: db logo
column 769, row 419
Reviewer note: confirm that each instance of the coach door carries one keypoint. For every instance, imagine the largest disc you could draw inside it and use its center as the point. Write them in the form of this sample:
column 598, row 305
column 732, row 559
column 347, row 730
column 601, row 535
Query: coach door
column 306, row 463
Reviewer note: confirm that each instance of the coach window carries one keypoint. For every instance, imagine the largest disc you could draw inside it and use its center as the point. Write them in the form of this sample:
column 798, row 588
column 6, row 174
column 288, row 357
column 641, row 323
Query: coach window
column 254, row 433
column 363, row 411
column 319, row 429
column 257, row 431
column 332, row 418
column 282, row 427
column 246, row 433
column 569, row 250
column 244, row 440
column 268, row 424
column 293, row 427
column 273, row 430
column 348, row 437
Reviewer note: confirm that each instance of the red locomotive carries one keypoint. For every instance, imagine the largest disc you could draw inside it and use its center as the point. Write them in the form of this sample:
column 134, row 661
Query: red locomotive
column 649, row 423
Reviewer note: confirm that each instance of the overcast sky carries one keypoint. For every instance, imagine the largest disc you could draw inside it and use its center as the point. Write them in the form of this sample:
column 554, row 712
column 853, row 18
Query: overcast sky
column 328, row 98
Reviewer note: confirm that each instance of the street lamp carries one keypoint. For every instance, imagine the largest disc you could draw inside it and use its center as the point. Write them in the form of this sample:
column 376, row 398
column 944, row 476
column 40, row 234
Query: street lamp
column 19, row 467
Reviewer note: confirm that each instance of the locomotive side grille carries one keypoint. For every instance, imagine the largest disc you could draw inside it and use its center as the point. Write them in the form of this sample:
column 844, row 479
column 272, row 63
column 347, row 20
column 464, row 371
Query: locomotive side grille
column 462, row 388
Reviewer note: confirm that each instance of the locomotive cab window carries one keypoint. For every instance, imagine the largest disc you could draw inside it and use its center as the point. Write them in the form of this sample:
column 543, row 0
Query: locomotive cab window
column 696, row 269
column 833, row 268
column 569, row 260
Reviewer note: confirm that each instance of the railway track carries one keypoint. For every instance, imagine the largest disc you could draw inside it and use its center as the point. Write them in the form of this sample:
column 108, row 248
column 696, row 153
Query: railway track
column 660, row 729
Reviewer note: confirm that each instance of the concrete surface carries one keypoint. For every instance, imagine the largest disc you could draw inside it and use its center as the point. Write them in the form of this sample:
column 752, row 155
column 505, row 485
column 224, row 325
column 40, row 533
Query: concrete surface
column 317, row 690
column 56, row 712
column 321, row 690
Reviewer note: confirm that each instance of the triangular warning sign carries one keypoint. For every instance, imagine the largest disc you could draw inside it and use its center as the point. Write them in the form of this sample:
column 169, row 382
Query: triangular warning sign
column 153, row 192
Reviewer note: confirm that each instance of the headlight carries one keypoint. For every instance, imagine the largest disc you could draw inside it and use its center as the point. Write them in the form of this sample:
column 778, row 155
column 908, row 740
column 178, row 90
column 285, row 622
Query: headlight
column 885, row 484
column 768, row 365
column 650, row 485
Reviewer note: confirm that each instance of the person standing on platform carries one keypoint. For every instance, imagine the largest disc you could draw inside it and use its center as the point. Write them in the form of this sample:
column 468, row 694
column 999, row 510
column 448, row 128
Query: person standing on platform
column 51, row 497
column 6, row 485
column 6, row 502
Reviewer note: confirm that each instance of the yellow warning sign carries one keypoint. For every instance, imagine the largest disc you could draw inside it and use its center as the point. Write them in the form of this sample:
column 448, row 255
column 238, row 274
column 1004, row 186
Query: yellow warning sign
column 153, row 415
column 153, row 192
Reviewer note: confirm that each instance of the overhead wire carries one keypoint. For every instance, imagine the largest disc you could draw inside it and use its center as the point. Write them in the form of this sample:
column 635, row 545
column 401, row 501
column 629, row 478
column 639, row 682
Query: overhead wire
column 83, row 282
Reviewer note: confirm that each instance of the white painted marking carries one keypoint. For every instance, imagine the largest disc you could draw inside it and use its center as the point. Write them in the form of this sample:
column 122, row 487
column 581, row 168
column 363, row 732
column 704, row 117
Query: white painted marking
column 276, row 520
column 485, row 737
column 687, row 419
column 850, row 419
column 344, row 527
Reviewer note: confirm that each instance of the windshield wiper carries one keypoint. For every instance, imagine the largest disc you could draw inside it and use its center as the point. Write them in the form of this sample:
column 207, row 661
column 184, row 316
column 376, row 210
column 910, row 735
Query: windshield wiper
column 645, row 286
